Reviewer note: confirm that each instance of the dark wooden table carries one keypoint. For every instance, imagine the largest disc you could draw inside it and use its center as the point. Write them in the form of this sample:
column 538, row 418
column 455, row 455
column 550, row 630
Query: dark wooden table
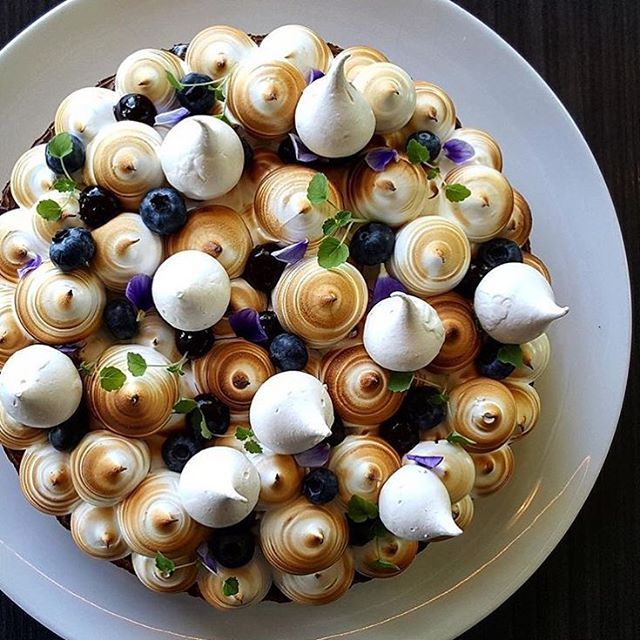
column 589, row 52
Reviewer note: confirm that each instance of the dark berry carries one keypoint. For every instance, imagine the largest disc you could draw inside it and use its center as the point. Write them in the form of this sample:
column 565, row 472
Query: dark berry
column 248, row 153
column 361, row 532
column 163, row 210
column 72, row 248
column 98, row 206
column 499, row 251
column 270, row 324
column 471, row 280
column 72, row 162
column 423, row 406
column 262, row 270
column 287, row 151
column 489, row 364
column 400, row 434
column 121, row 319
column 179, row 49
column 216, row 415
column 194, row 344
column 136, row 107
column 232, row 547
column 66, row 436
column 200, row 97
column 288, row 352
column 338, row 432
column 320, row 486
column 179, row 448
column 372, row 243
column 429, row 140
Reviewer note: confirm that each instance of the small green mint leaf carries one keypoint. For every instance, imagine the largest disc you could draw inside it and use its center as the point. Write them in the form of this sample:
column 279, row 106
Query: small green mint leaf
column 332, row 253
column 343, row 218
column 204, row 429
column 252, row 446
column 174, row 82
column 185, row 405
column 112, row 379
column 381, row 563
column 511, row 354
column 64, row 185
column 176, row 367
column 456, row 438
column 219, row 93
column 318, row 189
column 433, row 173
column 85, row 368
column 49, row 210
column 60, row 146
column 136, row 364
column 230, row 586
column 417, row 153
column 164, row 565
column 438, row 400
column 456, row 192
column 378, row 529
column 243, row 434
column 400, row 381
column 329, row 226
column 360, row 510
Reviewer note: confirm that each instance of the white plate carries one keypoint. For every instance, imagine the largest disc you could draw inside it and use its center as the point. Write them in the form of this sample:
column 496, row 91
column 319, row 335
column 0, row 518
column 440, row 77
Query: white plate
column 452, row 585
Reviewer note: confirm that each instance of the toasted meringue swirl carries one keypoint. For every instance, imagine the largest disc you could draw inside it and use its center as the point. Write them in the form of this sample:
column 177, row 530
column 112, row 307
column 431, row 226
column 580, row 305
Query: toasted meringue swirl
column 359, row 57
column 527, row 407
column 12, row 334
column 434, row 112
column 180, row 580
column 44, row 230
column 280, row 479
column 18, row 243
column 463, row 511
column 15, row 435
column 536, row 263
column 493, row 470
column 535, row 356
column 487, row 152
column 95, row 531
column 520, row 222
column 390, row 549
column 85, row 112
column 31, row 177
column 155, row 333
column 298, row 45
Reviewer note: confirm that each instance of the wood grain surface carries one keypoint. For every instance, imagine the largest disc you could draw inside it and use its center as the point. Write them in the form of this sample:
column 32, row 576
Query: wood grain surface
column 589, row 53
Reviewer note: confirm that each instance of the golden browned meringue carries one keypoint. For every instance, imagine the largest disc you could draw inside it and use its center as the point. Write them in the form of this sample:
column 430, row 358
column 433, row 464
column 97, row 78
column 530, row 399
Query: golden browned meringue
column 487, row 151
column 493, row 470
column 215, row 51
column 462, row 339
column 95, row 345
column 389, row 549
column 536, row 263
column 322, row 306
column 463, row 511
column 535, row 356
column 254, row 582
column 15, row 435
column 394, row 196
column 182, row 579
column 95, row 531
column 155, row 333
column 431, row 256
column 263, row 96
column 527, row 406
column 31, row 177
column 360, row 57
column 60, row 308
column 319, row 587
column 143, row 405
column 18, row 243
column 359, row 388
column 43, row 229
column 486, row 212
column 298, row 45
column 125, row 247
column 153, row 519
column 243, row 296
column 519, row 226
column 12, row 335
column 280, row 479
column 45, row 480
column 85, row 111
column 218, row 231
column 145, row 72
column 124, row 158
column 484, row 411
column 282, row 210
column 302, row 538
column 106, row 468
column 233, row 371
column 362, row 465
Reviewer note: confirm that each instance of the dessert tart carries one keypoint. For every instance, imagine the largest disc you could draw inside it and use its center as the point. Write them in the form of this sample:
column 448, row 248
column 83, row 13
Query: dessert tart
column 271, row 322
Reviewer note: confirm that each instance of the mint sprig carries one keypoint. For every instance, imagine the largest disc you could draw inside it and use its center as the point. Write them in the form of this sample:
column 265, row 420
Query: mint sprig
column 231, row 586
column 438, row 400
column 60, row 146
column 400, row 381
column 511, row 354
column 360, row 509
column 456, row 438
column 49, row 210
column 456, row 192
column 112, row 379
column 318, row 189
column 136, row 364
column 188, row 405
column 64, row 185
column 248, row 438
column 417, row 153
column 381, row 563
column 164, row 565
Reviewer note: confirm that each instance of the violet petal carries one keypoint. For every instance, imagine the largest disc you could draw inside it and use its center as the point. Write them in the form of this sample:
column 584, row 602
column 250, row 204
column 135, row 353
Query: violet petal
column 313, row 75
column 429, row 462
column 384, row 287
column 204, row 555
column 70, row 349
column 380, row 157
column 171, row 118
column 458, row 151
column 302, row 153
column 291, row 254
column 138, row 292
column 29, row 266
column 246, row 324
column 315, row 457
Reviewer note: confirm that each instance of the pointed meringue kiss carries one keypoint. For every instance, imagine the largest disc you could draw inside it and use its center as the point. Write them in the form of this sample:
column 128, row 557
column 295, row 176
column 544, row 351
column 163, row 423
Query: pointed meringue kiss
column 246, row 324
column 138, row 292
column 30, row 266
column 293, row 253
column 380, row 157
column 458, row 151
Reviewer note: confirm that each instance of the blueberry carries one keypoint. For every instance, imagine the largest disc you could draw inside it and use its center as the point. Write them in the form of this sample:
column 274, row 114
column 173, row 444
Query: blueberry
column 248, row 153
column 198, row 99
column 120, row 317
column 136, row 107
column 471, row 280
column 362, row 532
column 179, row 448
column 338, row 432
column 72, row 248
column 288, row 352
column 372, row 243
column 320, row 486
column 179, row 49
column 232, row 547
column 262, row 270
column 66, row 436
column 421, row 408
column 194, row 344
column 72, row 162
column 488, row 363
column 163, row 210
column 216, row 415
column 287, row 151
column 98, row 205
column 400, row 434
column 499, row 251
column 270, row 324
column 429, row 140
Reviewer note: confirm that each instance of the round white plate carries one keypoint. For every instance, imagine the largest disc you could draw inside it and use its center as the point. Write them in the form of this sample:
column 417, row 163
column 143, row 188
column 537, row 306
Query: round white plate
column 454, row 584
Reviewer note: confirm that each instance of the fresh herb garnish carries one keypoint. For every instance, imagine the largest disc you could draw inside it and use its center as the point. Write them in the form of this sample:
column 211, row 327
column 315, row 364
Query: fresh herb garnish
column 438, row 400
column 49, row 210
column 381, row 563
column 231, row 586
column 456, row 192
column 188, row 405
column 360, row 509
column 64, row 185
column 332, row 252
column 248, row 438
column 456, row 438
column 60, row 146
column 164, row 565
column 318, row 189
column 112, row 379
column 511, row 354
column 400, row 381
column 433, row 173
column 136, row 364
column 417, row 153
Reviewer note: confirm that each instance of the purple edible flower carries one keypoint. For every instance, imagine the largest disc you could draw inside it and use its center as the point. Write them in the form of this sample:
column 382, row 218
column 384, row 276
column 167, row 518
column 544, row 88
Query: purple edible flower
column 302, row 153
column 204, row 555
column 171, row 118
column 380, row 157
column 138, row 292
column 428, row 462
column 313, row 75
column 29, row 266
column 315, row 457
column 458, row 151
column 246, row 324
column 385, row 285
column 70, row 349
column 291, row 254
